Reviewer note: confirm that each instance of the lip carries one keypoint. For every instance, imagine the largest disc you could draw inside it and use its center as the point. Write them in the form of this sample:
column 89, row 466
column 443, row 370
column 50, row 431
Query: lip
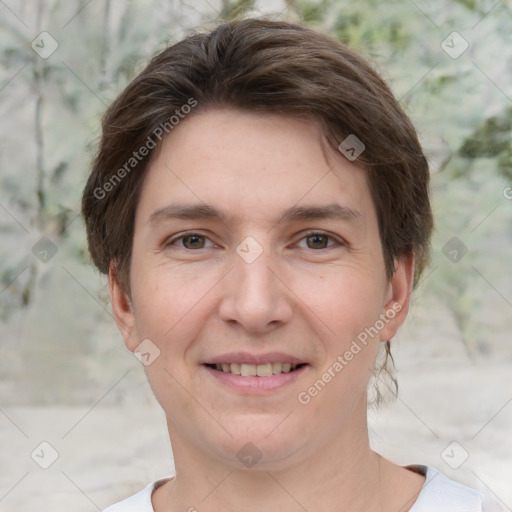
column 247, row 358
column 256, row 385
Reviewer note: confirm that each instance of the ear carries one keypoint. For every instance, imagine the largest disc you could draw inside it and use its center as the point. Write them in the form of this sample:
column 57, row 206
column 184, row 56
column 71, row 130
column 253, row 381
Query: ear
column 398, row 297
column 122, row 309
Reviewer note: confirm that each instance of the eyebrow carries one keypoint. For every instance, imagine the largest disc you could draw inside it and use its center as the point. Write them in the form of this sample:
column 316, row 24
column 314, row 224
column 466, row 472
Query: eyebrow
column 187, row 211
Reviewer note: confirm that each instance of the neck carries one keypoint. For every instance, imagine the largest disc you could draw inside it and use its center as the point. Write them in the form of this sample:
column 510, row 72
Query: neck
column 343, row 474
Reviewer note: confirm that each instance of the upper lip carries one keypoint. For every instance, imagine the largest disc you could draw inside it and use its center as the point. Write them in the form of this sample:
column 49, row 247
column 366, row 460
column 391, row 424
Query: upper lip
column 247, row 358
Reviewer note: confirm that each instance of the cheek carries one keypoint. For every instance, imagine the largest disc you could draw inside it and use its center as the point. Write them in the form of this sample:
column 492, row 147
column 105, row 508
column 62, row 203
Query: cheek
column 166, row 299
column 344, row 307
column 171, row 311
column 346, row 300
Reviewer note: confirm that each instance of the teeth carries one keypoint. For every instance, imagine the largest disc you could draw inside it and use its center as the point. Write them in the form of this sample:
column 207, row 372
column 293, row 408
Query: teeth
column 264, row 370
column 248, row 370
column 253, row 370
column 276, row 368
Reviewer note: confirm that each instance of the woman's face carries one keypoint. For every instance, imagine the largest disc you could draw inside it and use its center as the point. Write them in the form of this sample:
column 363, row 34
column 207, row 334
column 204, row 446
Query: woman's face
column 253, row 254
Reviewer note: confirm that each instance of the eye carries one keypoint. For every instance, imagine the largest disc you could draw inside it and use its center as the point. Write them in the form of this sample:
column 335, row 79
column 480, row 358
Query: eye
column 319, row 241
column 190, row 241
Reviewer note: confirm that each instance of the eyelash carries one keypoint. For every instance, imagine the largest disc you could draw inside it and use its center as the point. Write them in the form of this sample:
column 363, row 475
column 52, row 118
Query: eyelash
column 187, row 234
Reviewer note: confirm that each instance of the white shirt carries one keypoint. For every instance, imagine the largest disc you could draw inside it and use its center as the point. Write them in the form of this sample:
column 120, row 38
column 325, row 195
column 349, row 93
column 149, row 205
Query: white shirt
column 438, row 494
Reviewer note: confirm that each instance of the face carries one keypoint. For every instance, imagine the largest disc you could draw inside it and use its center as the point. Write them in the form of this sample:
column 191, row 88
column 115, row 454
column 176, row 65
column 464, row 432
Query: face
column 256, row 268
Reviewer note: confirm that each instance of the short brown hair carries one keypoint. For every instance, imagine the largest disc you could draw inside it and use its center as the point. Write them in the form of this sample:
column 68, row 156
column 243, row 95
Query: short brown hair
column 264, row 66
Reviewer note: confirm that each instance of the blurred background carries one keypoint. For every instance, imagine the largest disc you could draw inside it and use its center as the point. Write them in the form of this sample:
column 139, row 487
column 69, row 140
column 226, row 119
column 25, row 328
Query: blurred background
column 79, row 427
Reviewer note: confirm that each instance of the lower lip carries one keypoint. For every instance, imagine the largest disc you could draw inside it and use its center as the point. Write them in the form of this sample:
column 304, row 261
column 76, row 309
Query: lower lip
column 256, row 385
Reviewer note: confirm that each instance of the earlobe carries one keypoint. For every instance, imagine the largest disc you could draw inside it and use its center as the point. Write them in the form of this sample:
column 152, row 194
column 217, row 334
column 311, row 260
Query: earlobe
column 399, row 295
column 122, row 309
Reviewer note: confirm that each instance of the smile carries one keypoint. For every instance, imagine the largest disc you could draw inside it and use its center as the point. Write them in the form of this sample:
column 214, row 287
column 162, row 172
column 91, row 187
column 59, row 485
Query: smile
column 255, row 370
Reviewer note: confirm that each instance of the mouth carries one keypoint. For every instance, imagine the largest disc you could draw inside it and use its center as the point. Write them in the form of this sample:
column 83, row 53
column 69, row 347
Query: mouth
column 255, row 370
column 255, row 374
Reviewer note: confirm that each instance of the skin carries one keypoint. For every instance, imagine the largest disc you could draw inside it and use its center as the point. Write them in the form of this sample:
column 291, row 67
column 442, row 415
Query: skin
column 305, row 296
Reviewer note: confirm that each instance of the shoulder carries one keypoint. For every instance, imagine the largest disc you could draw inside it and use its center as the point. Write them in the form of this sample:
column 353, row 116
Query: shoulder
column 140, row 502
column 440, row 494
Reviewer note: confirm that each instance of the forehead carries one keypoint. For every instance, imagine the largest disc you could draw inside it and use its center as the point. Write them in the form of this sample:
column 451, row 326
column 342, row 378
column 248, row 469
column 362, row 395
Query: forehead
column 251, row 167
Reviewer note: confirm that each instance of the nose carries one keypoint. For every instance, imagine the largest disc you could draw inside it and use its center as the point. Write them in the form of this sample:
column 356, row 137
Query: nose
column 256, row 296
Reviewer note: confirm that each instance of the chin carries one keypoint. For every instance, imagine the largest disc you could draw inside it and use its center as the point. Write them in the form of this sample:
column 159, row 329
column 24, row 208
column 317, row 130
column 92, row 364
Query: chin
column 260, row 443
